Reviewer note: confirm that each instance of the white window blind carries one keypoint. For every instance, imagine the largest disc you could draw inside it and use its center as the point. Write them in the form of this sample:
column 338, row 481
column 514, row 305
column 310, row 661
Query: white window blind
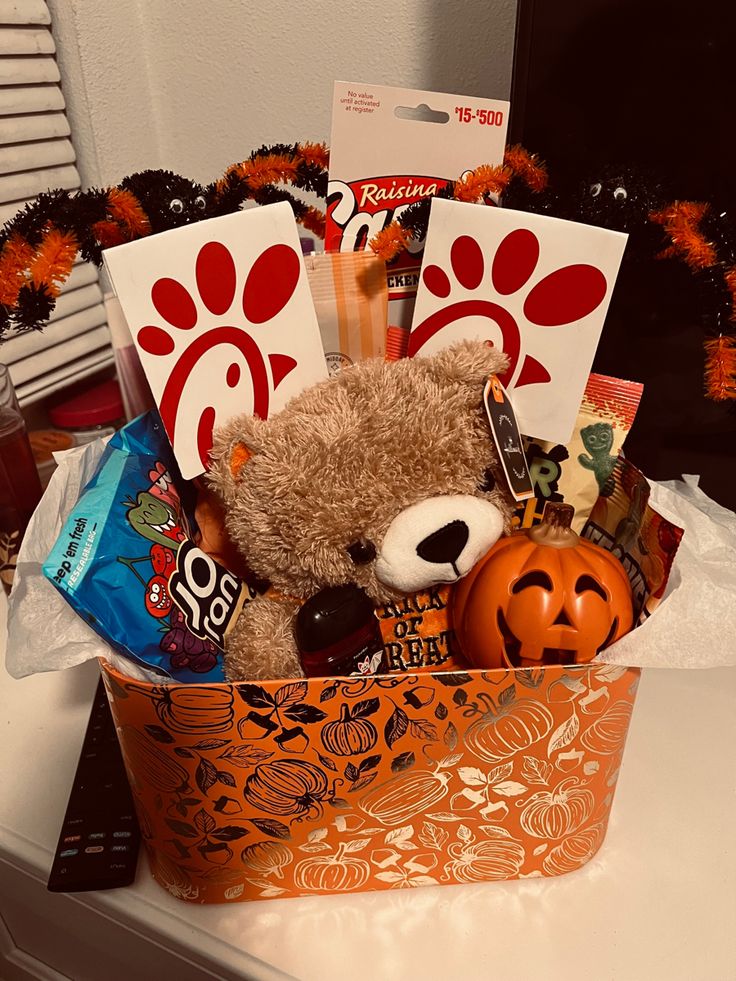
column 36, row 154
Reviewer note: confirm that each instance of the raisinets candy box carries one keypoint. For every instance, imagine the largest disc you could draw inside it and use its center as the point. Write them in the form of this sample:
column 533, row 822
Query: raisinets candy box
column 126, row 561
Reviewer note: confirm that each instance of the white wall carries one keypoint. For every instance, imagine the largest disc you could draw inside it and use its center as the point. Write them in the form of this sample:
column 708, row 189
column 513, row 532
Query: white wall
column 195, row 85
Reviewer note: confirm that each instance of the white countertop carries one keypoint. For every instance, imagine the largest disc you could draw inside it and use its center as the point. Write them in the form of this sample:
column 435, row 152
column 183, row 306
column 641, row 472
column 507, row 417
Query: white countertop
column 657, row 902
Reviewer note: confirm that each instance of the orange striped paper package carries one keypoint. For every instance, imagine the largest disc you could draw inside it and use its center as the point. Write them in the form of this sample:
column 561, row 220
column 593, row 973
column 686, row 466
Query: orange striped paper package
column 351, row 301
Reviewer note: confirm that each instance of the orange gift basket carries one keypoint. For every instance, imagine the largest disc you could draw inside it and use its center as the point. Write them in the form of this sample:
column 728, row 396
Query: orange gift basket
column 291, row 788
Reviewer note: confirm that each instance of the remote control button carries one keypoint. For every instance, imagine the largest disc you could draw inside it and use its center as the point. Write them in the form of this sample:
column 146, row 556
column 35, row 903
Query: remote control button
column 121, row 834
column 68, row 852
column 96, row 835
column 117, row 865
column 70, row 838
column 75, row 821
column 120, row 848
column 94, row 849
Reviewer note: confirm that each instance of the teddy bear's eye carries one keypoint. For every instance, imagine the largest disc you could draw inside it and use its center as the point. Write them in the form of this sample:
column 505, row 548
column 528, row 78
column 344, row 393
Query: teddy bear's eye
column 488, row 483
column 361, row 551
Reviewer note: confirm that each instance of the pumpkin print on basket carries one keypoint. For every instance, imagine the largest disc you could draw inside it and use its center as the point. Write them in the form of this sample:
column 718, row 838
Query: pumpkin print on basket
column 332, row 873
column 287, row 787
column 606, row 733
column 558, row 812
column 498, row 856
column 267, row 858
column 195, row 709
column 574, row 852
column 504, row 731
column 406, row 795
column 352, row 734
column 149, row 763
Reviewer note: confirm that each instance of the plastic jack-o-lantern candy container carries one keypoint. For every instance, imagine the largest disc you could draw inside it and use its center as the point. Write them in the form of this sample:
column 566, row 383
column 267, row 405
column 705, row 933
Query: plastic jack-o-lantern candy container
column 543, row 595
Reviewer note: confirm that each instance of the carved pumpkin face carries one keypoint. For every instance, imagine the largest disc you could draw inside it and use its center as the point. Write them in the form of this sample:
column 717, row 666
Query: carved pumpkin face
column 542, row 596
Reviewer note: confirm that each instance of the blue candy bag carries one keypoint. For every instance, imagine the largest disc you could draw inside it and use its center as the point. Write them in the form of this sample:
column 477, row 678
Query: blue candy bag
column 128, row 564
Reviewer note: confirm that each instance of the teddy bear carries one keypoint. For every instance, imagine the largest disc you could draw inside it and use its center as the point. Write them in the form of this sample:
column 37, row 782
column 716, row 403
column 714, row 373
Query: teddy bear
column 384, row 475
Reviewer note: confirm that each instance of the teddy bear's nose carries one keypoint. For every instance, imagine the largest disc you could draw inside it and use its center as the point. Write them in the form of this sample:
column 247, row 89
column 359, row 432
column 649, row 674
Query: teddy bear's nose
column 444, row 545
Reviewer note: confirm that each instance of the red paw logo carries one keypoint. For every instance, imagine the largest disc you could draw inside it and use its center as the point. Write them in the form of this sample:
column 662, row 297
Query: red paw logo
column 559, row 299
column 202, row 348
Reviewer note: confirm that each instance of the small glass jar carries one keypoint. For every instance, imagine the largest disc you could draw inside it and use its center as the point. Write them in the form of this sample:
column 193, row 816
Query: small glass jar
column 337, row 633
column 20, row 487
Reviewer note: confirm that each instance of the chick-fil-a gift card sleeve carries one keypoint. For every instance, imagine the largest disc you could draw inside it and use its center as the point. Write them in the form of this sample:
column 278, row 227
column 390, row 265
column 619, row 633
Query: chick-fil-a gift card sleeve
column 223, row 320
column 538, row 287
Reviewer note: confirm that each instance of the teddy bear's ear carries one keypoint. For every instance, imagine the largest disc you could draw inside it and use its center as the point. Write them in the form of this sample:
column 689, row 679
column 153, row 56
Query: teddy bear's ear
column 232, row 447
column 239, row 456
column 467, row 364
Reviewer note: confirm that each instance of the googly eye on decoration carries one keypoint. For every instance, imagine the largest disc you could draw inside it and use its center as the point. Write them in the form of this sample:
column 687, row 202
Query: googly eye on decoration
column 620, row 194
column 595, row 190
column 199, row 203
column 176, row 206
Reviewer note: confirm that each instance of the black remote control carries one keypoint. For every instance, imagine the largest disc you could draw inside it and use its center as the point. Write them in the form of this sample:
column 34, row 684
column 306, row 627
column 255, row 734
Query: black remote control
column 98, row 844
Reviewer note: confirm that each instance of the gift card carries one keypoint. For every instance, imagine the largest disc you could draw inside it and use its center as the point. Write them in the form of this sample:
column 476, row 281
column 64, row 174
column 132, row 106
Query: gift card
column 538, row 287
column 223, row 320
column 389, row 148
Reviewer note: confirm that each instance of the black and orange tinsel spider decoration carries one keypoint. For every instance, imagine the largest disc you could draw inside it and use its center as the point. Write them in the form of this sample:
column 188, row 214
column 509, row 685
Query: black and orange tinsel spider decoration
column 692, row 232
column 39, row 246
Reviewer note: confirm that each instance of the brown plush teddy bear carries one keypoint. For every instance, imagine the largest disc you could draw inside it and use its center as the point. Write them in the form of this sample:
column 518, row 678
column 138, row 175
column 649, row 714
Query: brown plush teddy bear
column 385, row 475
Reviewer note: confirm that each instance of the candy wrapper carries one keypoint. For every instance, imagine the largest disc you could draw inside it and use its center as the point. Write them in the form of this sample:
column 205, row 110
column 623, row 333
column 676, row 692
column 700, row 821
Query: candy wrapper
column 645, row 542
column 127, row 562
column 579, row 472
column 351, row 302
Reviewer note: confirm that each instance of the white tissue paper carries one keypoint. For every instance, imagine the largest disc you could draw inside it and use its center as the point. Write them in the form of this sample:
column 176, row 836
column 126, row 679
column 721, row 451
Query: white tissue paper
column 693, row 627
column 695, row 624
column 44, row 632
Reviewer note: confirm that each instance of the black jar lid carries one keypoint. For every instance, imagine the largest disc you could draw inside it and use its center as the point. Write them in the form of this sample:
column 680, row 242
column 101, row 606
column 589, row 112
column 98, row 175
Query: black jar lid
column 330, row 616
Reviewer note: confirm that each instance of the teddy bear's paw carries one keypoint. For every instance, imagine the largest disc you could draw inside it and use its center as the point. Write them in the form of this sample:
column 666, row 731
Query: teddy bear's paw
column 261, row 644
column 437, row 540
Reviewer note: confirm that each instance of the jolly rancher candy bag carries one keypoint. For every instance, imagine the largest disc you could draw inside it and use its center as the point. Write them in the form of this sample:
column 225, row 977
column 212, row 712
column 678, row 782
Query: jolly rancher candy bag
column 127, row 562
